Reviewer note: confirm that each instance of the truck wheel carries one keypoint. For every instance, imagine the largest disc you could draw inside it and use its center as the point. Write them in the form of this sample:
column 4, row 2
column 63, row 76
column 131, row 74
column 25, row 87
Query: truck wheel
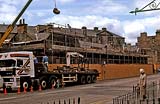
column 25, row 83
column 52, row 82
column 88, row 79
column 93, row 79
column 43, row 83
column 83, row 80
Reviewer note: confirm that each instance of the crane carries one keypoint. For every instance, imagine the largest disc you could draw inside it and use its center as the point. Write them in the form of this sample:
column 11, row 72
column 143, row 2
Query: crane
column 11, row 26
column 73, row 54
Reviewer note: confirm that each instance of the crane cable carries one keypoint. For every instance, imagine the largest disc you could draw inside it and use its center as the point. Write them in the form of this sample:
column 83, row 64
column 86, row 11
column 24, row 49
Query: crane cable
column 55, row 10
column 55, row 3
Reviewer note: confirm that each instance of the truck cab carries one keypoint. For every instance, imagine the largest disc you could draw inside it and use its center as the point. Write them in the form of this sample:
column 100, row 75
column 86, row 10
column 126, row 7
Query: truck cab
column 14, row 68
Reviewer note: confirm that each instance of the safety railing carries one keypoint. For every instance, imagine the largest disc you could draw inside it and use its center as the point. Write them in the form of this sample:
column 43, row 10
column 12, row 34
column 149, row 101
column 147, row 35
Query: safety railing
column 65, row 101
column 133, row 97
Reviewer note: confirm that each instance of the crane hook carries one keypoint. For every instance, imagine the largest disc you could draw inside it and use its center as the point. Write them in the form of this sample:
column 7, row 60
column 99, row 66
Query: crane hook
column 55, row 10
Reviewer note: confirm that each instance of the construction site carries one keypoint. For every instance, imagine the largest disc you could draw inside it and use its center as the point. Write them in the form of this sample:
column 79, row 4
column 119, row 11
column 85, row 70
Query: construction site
column 104, row 50
column 74, row 55
column 99, row 46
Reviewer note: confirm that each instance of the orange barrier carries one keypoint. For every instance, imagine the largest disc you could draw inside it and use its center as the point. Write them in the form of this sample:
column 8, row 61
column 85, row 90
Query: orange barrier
column 24, row 90
column 5, row 91
column 31, row 90
column 53, row 85
column 40, row 89
column 114, row 71
column 19, row 91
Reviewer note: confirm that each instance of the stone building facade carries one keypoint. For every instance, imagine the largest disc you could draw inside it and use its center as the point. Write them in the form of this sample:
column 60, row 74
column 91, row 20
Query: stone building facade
column 150, row 45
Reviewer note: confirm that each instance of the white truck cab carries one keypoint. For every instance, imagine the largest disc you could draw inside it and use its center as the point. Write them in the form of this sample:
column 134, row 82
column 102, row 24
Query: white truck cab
column 14, row 67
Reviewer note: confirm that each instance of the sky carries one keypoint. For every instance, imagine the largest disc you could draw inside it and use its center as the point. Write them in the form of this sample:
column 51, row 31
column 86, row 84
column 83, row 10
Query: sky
column 111, row 14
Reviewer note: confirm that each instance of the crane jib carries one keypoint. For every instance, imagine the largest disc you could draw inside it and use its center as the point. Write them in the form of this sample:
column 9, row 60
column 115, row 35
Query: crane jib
column 11, row 27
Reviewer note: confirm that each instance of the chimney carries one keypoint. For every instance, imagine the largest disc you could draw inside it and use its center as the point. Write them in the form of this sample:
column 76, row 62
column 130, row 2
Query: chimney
column 84, row 30
column 158, row 32
column 22, row 27
column 84, row 27
column 20, row 21
column 23, row 21
column 95, row 28
column 144, row 34
column 104, row 29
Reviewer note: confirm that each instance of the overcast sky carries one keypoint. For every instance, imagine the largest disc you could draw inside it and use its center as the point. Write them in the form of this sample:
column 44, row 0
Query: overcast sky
column 112, row 14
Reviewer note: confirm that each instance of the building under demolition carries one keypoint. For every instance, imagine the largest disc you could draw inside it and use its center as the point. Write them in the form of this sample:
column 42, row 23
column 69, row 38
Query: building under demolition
column 99, row 46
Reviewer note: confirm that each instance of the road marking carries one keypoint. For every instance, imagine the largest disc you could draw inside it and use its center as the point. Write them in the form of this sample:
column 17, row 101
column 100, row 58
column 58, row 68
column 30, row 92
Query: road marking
column 9, row 98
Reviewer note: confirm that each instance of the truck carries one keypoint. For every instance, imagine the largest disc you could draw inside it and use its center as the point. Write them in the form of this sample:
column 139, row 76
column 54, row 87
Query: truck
column 18, row 70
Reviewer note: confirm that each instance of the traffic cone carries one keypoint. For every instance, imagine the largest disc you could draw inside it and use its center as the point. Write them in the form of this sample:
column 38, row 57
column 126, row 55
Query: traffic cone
column 19, row 91
column 52, row 86
column 24, row 90
column 63, row 85
column 31, row 89
column 5, row 91
column 40, row 89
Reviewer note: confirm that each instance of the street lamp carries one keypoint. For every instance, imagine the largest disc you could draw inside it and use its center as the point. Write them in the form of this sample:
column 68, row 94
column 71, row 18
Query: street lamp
column 152, row 6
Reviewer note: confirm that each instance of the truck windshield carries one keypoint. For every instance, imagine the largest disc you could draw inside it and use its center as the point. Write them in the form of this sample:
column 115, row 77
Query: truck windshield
column 7, row 63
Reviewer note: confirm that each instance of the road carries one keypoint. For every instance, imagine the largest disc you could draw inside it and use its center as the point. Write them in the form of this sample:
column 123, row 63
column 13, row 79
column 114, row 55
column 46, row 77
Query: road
column 101, row 92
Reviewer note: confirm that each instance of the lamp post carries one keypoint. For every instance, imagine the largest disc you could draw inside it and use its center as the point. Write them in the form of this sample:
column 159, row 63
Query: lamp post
column 106, row 52
column 152, row 6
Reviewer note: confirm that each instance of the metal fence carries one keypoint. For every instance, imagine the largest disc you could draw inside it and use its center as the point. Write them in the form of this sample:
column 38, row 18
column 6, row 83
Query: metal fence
column 153, row 95
column 68, row 101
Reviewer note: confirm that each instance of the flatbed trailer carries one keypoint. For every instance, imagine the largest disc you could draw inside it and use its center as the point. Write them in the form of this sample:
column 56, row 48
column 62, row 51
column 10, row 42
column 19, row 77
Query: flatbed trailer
column 18, row 70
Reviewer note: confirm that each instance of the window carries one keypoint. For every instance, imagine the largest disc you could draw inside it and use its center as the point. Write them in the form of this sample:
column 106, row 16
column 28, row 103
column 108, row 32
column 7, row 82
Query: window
column 19, row 63
column 7, row 63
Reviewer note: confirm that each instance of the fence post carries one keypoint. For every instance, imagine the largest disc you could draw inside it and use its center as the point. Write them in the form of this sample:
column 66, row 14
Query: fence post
column 153, row 101
column 59, row 102
column 158, row 100
column 133, row 89
column 69, row 102
column 147, row 101
column 64, row 101
column 153, row 94
column 140, row 101
column 113, row 100
column 157, row 87
column 125, row 98
column 74, row 101
column 78, row 100
column 118, row 101
column 122, row 100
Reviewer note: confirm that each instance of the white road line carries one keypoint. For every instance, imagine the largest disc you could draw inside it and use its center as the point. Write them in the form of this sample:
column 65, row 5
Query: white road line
column 9, row 98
